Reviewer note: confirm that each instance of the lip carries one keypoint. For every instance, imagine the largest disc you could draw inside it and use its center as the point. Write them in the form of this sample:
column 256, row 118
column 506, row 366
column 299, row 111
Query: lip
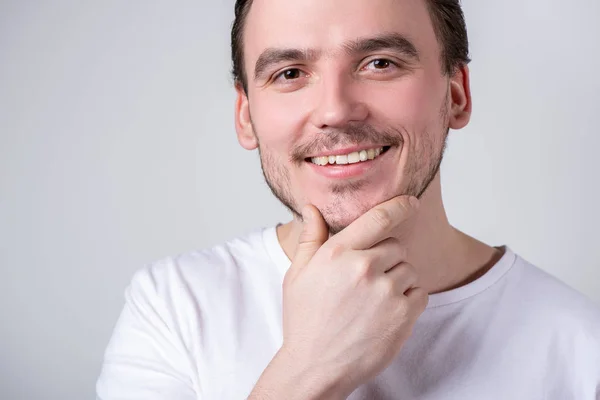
column 355, row 170
column 346, row 150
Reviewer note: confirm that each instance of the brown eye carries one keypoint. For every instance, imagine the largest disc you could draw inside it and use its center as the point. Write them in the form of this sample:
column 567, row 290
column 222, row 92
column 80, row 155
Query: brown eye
column 381, row 64
column 290, row 74
column 289, row 80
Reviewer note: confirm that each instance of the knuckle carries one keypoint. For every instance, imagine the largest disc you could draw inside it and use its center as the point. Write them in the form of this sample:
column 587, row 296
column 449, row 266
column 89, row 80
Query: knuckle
column 334, row 251
column 401, row 204
column 404, row 204
column 387, row 287
column 305, row 237
column 363, row 269
column 382, row 217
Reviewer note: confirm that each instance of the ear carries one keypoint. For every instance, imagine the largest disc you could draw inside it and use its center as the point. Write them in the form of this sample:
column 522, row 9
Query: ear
column 460, row 97
column 243, row 123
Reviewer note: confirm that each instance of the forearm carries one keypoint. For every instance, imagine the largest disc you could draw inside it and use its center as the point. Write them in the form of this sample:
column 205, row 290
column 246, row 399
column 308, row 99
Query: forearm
column 284, row 378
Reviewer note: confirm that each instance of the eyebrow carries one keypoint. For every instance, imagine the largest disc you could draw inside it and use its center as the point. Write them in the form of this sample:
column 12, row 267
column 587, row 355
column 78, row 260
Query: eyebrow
column 273, row 56
column 389, row 41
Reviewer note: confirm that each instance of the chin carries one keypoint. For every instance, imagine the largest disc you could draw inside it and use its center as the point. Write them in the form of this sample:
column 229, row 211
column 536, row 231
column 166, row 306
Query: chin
column 339, row 216
column 343, row 204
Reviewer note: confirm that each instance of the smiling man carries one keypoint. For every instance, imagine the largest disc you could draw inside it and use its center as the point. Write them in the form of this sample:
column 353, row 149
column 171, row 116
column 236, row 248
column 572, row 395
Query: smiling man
column 369, row 292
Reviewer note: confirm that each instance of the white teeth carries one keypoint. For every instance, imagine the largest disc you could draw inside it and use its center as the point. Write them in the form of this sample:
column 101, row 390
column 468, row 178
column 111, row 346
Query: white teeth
column 341, row 159
column 352, row 158
column 320, row 160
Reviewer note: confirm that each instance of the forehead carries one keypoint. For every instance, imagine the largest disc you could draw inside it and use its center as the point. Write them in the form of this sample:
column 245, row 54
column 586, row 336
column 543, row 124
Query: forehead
column 326, row 25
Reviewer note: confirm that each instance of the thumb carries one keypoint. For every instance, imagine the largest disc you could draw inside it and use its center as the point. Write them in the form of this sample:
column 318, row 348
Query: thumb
column 314, row 234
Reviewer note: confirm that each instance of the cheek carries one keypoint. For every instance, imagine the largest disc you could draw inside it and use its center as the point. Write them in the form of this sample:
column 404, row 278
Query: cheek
column 277, row 118
column 408, row 104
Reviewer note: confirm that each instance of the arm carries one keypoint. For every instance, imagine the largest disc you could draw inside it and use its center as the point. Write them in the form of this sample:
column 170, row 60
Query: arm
column 284, row 379
column 349, row 304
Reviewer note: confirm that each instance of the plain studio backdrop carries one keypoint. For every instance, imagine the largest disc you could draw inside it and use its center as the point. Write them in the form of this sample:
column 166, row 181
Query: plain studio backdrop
column 117, row 147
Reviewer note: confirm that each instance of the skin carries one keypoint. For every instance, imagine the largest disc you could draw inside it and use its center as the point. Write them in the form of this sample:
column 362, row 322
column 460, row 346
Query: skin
column 341, row 329
column 414, row 103
column 333, row 95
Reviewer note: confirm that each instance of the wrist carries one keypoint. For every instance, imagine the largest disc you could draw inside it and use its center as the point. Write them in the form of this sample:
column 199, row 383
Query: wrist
column 288, row 377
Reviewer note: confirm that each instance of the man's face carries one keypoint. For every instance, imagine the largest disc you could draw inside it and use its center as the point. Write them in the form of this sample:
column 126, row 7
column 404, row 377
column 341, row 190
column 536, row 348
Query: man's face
column 336, row 78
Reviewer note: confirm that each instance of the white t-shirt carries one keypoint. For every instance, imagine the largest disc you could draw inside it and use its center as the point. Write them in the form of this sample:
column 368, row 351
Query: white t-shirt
column 204, row 325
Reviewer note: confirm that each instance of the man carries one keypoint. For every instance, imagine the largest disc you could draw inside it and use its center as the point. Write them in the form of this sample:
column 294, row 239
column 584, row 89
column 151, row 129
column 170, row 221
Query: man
column 369, row 292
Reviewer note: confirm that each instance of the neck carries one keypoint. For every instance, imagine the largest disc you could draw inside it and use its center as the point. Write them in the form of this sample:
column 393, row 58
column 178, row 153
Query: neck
column 445, row 257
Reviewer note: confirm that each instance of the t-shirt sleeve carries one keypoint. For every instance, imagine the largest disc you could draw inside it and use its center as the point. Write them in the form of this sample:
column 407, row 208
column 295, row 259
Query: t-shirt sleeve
column 145, row 358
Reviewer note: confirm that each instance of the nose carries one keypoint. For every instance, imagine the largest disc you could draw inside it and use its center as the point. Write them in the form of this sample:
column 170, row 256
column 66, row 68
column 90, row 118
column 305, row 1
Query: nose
column 337, row 103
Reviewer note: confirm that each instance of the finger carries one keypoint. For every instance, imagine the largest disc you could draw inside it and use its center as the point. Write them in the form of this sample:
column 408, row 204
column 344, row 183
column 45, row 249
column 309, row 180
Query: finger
column 377, row 224
column 404, row 276
column 314, row 234
column 418, row 298
column 384, row 255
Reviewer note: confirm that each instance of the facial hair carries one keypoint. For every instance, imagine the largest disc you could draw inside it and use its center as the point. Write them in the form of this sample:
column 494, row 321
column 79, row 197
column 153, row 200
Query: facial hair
column 423, row 163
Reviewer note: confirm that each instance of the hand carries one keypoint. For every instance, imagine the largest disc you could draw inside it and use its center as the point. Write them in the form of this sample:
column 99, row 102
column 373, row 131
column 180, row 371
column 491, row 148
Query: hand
column 350, row 301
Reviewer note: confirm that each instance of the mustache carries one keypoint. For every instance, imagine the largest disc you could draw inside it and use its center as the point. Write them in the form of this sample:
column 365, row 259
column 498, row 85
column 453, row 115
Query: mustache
column 351, row 135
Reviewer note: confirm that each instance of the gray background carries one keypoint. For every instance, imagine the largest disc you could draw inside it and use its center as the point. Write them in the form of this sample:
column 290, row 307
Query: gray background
column 117, row 147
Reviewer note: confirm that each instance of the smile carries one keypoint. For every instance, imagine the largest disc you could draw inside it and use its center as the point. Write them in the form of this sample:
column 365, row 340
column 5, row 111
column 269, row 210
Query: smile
column 352, row 165
column 351, row 158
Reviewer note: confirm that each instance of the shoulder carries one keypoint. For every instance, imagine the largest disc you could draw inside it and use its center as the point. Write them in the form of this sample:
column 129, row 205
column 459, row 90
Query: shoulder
column 182, row 293
column 551, row 301
column 202, row 271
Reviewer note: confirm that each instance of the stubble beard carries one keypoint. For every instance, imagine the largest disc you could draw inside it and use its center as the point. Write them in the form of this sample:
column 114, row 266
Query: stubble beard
column 420, row 176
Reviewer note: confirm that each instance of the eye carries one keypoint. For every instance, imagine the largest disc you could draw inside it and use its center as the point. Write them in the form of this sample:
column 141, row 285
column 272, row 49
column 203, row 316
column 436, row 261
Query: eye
column 288, row 75
column 380, row 64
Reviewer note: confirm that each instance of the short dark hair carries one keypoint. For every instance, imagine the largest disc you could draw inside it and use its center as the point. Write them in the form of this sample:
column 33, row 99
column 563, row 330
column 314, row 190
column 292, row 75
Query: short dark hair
column 446, row 15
